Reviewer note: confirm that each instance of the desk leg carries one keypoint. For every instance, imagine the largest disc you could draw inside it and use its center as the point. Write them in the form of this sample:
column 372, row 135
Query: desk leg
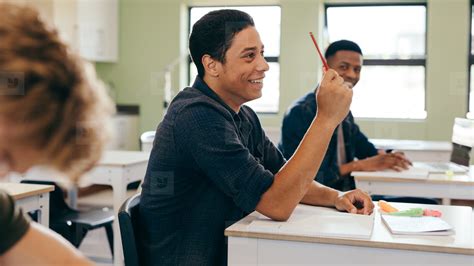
column 446, row 201
column 119, row 188
column 43, row 202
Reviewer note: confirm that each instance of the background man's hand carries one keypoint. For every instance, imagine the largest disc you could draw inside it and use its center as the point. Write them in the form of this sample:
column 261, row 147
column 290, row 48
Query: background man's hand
column 334, row 98
column 355, row 201
column 395, row 161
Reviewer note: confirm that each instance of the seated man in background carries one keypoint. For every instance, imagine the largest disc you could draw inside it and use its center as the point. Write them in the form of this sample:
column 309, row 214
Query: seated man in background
column 347, row 142
column 52, row 113
column 211, row 163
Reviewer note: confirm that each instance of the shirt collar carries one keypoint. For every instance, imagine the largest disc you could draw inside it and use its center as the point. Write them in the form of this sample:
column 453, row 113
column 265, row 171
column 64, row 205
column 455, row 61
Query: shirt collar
column 204, row 88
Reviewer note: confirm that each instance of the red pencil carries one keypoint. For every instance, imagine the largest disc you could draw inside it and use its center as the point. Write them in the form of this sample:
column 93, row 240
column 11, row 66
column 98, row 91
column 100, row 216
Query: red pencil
column 326, row 67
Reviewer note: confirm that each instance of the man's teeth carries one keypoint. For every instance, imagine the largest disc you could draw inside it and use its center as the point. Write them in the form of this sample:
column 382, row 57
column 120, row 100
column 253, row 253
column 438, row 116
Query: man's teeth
column 257, row 81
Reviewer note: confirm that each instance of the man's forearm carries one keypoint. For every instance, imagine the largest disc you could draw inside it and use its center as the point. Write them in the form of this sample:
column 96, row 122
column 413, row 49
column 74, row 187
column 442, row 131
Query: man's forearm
column 320, row 195
column 295, row 178
column 348, row 168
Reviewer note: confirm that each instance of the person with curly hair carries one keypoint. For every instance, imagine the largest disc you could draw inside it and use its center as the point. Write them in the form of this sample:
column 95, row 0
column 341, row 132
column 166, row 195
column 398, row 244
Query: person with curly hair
column 53, row 112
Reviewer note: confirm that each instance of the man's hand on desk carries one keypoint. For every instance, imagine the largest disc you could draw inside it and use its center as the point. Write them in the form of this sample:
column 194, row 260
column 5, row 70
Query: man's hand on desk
column 395, row 161
column 355, row 201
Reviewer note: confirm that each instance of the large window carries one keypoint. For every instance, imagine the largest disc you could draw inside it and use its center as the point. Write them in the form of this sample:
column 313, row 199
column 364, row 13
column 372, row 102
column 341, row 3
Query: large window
column 470, row 113
column 269, row 30
column 393, row 41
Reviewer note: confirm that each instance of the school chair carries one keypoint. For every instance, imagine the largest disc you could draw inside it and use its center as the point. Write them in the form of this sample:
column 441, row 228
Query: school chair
column 73, row 224
column 129, row 225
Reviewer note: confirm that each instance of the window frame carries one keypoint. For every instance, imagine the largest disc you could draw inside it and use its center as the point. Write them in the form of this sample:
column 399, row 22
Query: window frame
column 390, row 62
column 269, row 59
column 470, row 63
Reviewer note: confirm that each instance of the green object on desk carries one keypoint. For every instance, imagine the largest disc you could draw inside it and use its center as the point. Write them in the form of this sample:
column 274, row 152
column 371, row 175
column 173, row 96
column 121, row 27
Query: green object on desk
column 413, row 212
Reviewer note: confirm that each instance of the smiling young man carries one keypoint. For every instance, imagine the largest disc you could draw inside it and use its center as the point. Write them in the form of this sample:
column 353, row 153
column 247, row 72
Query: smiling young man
column 347, row 142
column 212, row 164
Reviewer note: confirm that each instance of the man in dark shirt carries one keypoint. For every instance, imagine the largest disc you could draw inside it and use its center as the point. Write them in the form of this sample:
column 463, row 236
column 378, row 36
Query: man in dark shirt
column 346, row 58
column 211, row 163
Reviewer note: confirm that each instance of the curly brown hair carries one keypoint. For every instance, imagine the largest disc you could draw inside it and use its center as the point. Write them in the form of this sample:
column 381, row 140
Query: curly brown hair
column 51, row 94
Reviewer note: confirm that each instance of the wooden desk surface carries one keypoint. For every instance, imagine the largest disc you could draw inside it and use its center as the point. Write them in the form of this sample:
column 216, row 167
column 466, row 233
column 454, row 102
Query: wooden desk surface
column 20, row 191
column 460, row 217
column 455, row 179
column 123, row 158
column 415, row 145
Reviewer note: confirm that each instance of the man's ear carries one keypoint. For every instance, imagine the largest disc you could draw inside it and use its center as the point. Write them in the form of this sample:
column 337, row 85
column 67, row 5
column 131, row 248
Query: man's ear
column 210, row 66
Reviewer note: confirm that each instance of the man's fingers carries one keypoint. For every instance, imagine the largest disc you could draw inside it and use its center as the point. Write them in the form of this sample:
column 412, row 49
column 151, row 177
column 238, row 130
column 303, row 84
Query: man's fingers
column 329, row 76
column 348, row 206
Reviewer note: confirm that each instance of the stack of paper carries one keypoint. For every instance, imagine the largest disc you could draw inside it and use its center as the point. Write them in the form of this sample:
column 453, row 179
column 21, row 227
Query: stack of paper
column 424, row 225
column 327, row 224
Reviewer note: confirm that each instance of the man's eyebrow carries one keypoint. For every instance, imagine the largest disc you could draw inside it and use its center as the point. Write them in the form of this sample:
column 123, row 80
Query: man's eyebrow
column 251, row 49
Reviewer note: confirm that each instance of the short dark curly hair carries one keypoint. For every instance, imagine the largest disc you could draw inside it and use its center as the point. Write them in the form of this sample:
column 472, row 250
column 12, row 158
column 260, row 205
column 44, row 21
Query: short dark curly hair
column 342, row 45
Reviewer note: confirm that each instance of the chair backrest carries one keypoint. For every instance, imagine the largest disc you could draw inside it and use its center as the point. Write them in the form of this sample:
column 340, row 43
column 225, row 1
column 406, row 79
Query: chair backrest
column 146, row 140
column 128, row 220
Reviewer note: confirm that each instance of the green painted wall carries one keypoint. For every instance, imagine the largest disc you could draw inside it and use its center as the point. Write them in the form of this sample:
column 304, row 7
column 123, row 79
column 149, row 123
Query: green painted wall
column 153, row 35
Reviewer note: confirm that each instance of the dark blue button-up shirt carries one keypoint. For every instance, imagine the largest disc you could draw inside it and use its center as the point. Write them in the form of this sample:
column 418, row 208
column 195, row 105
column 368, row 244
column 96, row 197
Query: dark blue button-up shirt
column 296, row 122
column 208, row 168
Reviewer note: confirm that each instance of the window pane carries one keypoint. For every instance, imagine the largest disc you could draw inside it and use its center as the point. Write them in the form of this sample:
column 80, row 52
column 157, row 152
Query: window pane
column 390, row 92
column 269, row 29
column 268, row 103
column 396, row 32
column 472, row 30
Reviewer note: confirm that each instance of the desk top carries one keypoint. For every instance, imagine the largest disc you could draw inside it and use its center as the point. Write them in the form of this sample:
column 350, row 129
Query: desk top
column 412, row 145
column 458, row 179
column 20, row 191
column 460, row 217
column 123, row 158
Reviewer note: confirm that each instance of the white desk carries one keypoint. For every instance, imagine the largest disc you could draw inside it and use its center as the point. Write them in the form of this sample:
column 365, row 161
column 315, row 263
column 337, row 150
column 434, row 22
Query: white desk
column 116, row 169
column 418, row 150
column 383, row 248
column 435, row 186
column 31, row 197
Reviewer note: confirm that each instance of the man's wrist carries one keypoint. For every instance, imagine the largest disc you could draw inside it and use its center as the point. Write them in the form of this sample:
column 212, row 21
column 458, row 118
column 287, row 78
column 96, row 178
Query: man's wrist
column 339, row 195
column 356, row 165
column 326, row 122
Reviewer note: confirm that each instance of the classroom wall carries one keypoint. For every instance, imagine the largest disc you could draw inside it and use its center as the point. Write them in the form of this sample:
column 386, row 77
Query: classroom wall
column 153, row 37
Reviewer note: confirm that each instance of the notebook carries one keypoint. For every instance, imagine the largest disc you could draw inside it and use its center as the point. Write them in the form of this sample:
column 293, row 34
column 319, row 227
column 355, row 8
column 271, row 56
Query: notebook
column 318, row 224
column 424, row 225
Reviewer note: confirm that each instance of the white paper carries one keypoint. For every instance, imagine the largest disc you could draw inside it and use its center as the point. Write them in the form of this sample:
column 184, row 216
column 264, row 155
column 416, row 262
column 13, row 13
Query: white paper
column 424, row 225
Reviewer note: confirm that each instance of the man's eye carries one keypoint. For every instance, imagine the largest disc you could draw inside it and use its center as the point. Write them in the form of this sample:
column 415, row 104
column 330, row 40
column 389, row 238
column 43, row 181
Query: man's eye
column 251, row 55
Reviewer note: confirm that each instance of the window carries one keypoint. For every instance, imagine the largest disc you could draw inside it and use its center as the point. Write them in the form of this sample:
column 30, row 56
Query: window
column 470, row 113
column 392, row 83
column 269, row 30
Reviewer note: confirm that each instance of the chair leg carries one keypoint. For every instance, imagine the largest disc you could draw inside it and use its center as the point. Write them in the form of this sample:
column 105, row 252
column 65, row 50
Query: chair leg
column 77, row 234
column 110, row 237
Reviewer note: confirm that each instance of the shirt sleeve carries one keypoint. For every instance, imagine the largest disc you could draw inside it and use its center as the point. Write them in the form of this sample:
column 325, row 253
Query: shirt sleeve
column 212, row 139
column 13, row 225
column 274, row 160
